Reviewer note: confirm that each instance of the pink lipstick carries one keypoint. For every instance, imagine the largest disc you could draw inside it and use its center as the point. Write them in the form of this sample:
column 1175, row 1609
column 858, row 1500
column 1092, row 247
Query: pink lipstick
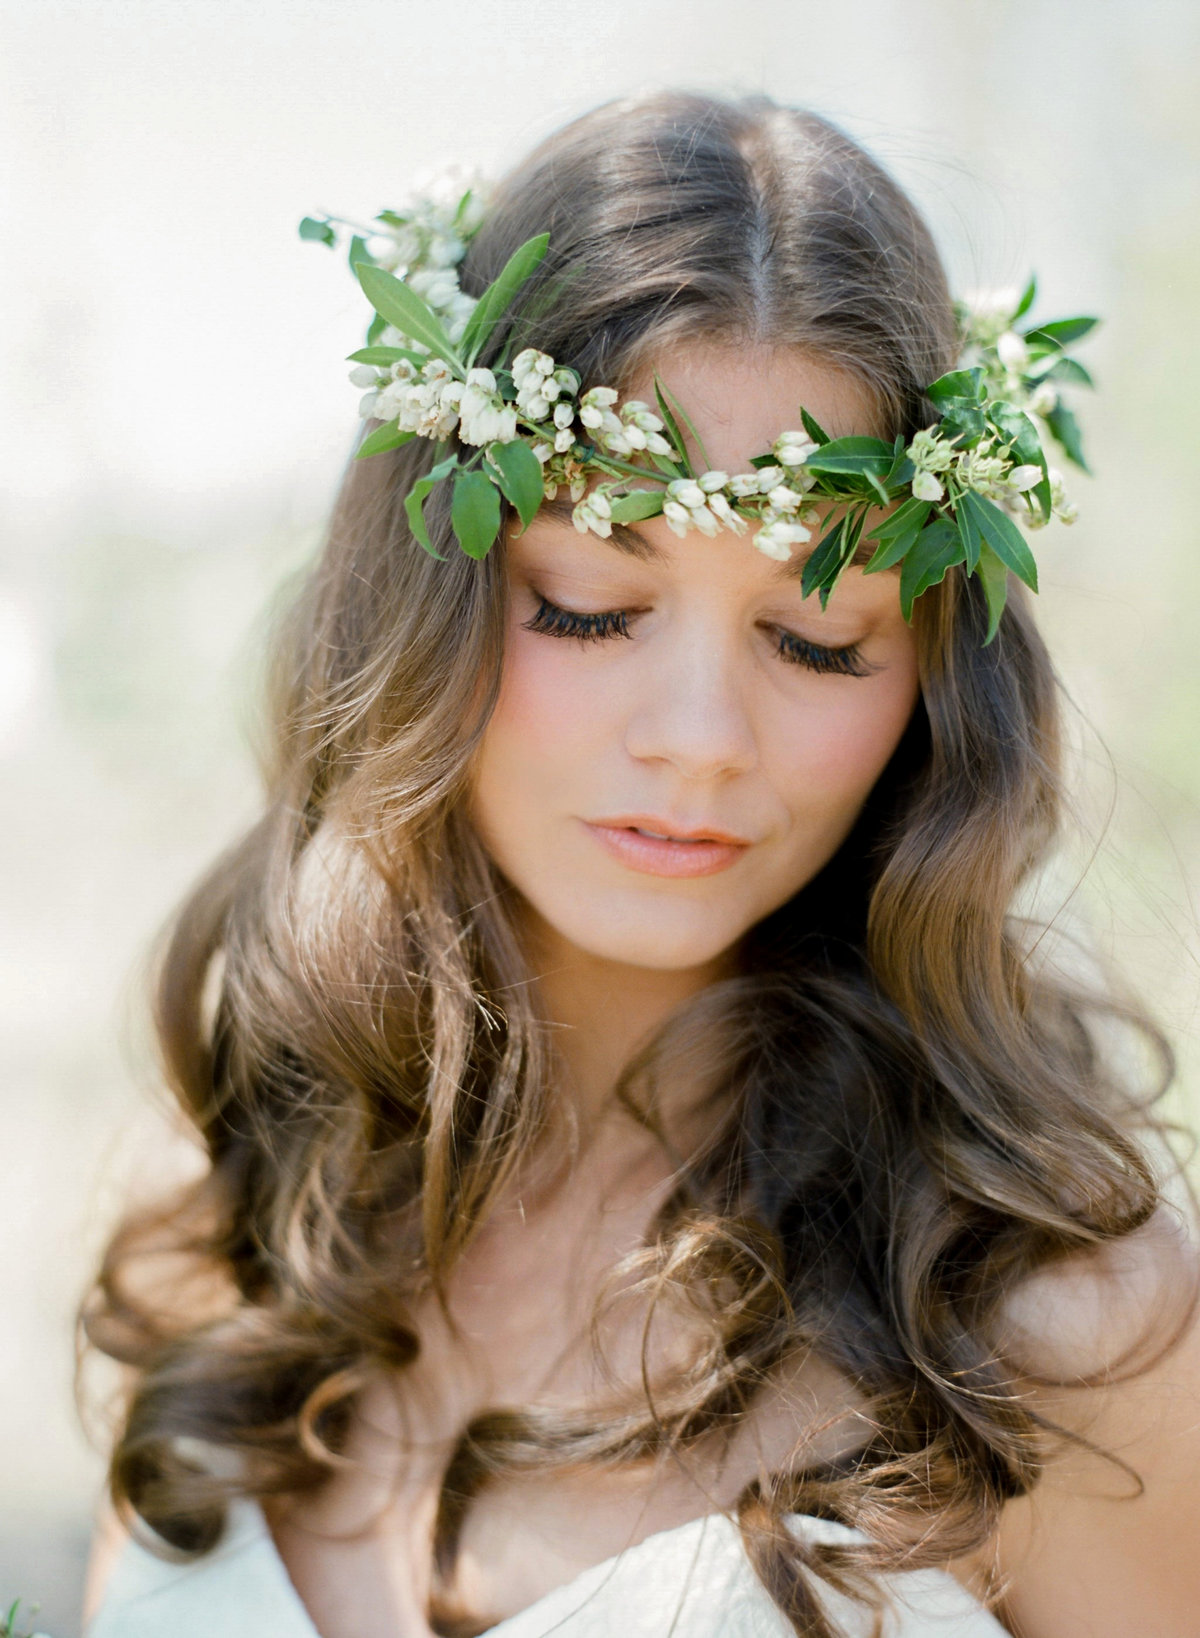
column 657, row 847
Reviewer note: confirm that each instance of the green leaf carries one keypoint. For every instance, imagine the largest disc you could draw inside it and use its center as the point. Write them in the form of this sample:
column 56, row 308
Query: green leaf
column 672, row 429
column 824, row 559
column 388, row 436
column 1062, row 332
column 681, row 415
column 1015, row 427
column 359, row 252
column 897, row 533
column 321, row 232
column 994, row 576
column 637, row 504
column 1065, row 428
column 938, row 548
column 970, row 534
column 402, row 307
column 498, row 296
column 383, row 356
column 966, row 384
column 963, row 422
column 1070, row 369
column 852, row 455
column 1002, row 535
column 851, row 535
column 520, row 477
column 375, row 329
column 1027, row 298
column 414, row 503
column 475, row 512
column 814, row 428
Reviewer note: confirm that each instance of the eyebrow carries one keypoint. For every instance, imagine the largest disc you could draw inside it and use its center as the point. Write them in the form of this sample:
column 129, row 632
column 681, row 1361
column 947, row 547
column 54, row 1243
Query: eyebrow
column 629, row 541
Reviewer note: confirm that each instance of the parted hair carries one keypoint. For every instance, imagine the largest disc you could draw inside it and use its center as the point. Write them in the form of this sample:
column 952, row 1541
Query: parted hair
column 916, row 1113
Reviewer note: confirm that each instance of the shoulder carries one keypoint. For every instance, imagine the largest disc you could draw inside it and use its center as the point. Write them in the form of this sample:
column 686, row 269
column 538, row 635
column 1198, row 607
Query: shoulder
column 109, row 1538
column 1109, row 1342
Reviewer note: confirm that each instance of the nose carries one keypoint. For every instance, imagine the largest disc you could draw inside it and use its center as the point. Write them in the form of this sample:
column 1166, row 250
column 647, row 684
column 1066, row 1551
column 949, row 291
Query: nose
column 691, row 709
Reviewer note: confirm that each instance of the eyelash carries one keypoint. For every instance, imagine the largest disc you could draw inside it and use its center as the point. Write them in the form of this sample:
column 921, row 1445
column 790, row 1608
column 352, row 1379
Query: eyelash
column 553, row 621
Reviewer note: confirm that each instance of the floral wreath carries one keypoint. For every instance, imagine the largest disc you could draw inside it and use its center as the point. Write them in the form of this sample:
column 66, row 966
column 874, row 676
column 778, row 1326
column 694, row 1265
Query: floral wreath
column 525, row 429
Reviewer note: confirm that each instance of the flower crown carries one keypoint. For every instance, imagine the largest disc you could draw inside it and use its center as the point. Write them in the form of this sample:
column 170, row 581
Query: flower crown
column 525, row 429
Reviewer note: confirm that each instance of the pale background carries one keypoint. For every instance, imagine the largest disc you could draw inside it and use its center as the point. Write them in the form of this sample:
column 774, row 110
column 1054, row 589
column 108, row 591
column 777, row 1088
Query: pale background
column 175, row 415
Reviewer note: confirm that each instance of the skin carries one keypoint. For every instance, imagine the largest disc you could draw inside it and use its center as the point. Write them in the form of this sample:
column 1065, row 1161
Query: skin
column 696, row 717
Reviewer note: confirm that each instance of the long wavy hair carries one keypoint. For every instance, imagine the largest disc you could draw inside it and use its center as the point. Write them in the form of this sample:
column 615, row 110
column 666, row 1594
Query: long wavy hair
column 917, row 1112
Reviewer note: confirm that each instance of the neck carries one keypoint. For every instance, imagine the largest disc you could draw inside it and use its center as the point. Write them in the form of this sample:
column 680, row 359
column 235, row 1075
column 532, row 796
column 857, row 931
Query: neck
column 601, row 1012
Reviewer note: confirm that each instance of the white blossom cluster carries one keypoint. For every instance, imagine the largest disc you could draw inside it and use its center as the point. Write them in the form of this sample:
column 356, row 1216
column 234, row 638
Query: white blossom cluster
column 987, row 470
column 988, row 337
column 424, row 243
column 710, row 502
column 433, row 402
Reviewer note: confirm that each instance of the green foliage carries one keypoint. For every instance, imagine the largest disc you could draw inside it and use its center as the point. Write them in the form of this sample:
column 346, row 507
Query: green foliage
column 499, row 295
column 401, row 307
column 937, row 548
column 388, row 436
column 475, row 512
column 321, row 232
column 637, row 504
column 414, row 502
column 8, row 1622
column 519, row 474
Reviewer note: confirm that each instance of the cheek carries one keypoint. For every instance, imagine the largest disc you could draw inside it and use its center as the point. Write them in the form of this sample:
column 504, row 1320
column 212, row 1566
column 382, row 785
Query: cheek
column 548, row 719
column 832, row 752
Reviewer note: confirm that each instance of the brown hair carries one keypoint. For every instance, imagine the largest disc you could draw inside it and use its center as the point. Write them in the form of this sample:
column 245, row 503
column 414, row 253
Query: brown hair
column 921, row 1115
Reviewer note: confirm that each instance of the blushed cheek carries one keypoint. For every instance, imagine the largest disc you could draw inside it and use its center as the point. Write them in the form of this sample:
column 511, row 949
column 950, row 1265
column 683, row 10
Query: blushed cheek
column 547, row 698
column 843, row 751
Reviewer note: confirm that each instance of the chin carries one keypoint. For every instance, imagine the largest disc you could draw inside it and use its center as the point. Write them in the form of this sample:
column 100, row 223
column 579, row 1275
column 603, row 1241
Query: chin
column 662, row 938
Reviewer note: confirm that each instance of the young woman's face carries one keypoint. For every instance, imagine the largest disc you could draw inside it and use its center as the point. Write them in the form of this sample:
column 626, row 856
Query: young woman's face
column 682, row 740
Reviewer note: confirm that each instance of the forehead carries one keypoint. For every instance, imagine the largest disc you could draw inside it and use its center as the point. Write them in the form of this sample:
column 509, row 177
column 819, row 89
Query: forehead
column 740, row 397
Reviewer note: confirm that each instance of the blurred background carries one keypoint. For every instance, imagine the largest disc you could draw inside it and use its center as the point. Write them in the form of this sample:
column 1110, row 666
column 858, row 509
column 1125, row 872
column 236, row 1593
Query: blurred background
column 176, row 414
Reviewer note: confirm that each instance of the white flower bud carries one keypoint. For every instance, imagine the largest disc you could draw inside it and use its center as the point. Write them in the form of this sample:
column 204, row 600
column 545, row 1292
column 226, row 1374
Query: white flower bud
column 777, row 539
column 362, row 375
column 792, row 448
column 926, row 487
column 783, row 499
column 1012, row 351
column 743, row 484
column 1024, row 477
column 677, row 516
column 481, row 378
column 721, row 507
column 563, row 440
column 711, row 481
column 769, row 477
column 686, row 492
column 593, row 512
column 1043, row 400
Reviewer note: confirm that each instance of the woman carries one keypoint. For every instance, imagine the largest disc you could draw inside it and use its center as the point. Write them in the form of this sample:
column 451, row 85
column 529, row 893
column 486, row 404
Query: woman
column 655, row 1180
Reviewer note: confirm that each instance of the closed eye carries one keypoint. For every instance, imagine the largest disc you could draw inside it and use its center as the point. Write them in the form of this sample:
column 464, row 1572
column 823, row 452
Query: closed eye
column 553, row 621
column 556, row 622
column 841, row 662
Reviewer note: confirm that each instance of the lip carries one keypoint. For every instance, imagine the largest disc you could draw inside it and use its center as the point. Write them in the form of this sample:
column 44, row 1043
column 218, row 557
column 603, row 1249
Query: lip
column 673, row 849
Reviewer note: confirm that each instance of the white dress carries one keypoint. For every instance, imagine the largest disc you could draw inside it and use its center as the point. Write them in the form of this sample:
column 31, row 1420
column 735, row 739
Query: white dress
column 693, row 1581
